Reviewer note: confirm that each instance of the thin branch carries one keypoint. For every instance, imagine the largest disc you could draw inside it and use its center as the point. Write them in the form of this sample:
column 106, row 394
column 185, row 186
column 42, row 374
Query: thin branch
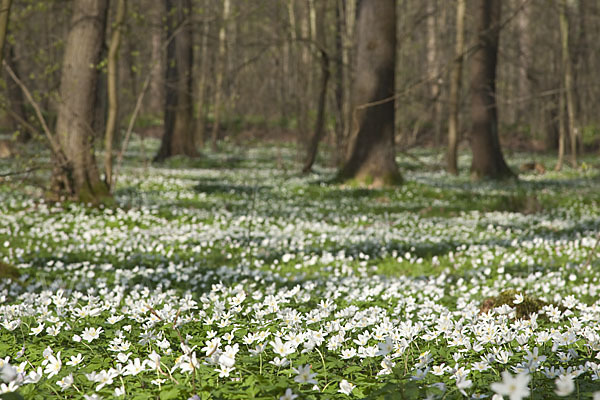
column 53, row 142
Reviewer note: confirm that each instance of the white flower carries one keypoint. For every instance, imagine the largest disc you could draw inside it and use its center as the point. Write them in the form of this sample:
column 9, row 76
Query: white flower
column 36, row 331
column 304, row 375
column 104, row 378
column 346, row 387
column 11, row 387
column 386, row 347
column 211, row 346
column 134, row 367
column 120, row 391
column 289, row 395
column 283, row 349
column 463, row 383
column 513, row 387
column 54, row 365
column 7, row 372
column 75, row 360
column 65, row 382
column 224, row 371
column 153, row 361
column 518, row 299
column 227, row 359
column 564, row 385
column 90, row 334
column 283, row 362
column 34, row 376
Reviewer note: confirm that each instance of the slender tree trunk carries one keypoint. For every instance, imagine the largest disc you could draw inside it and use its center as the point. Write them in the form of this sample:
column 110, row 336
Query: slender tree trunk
column 371, row 155
column 4, row 16
column 340, row 120
column 202, row 86
column 524, row 109
column 319, row 132
column 433, row 67
column 488, row 161
column 455, row 84
column 221, row 57
column 156, row 96
column 79, row 178
column 113, row 98
column 178, row 138
column 561, row 132
column 568, row 79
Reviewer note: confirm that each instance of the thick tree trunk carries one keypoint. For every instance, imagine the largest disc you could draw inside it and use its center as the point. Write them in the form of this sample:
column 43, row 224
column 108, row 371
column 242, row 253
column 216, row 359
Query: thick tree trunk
column 77, row 177
column 488, row 161
column 371, row 153
column 113, row 99
column 455, row 83
column 178, row 138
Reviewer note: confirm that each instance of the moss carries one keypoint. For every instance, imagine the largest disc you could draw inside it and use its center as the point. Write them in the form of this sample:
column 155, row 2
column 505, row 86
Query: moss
column 528, row 306
column 388, row 179
column 9, row 271
column 96, row 195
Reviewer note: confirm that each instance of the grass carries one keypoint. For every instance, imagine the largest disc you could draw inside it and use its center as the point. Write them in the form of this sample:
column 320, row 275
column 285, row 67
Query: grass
column 232, row 250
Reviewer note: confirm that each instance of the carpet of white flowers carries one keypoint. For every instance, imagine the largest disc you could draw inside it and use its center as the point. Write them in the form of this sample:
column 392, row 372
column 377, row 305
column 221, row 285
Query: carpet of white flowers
column 232, row 277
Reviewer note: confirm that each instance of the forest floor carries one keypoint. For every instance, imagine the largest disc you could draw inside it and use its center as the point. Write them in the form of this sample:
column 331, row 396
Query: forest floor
column 233, row 277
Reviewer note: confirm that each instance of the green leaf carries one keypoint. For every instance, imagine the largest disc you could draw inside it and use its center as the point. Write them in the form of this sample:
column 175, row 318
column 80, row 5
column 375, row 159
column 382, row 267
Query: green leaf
column 11, row 396
column 172, row 393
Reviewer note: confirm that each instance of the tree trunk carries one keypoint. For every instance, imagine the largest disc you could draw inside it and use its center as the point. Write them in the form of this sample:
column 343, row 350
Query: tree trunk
column 156, row 95
column 561, row 131
column 178, row 138
column 455, row 84
column 77, row 177
column 220, row 67
column 340, row 120
column 4, row 16
column 488, row 161
column 525, row 42
column 568, row 79
column 371, row 154
column 433, row 66
column 113, row 99
column 201, row 89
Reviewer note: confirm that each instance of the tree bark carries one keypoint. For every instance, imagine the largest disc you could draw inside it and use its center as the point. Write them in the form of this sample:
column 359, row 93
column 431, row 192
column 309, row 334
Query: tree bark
column 488, row 161
column 78, row 178
column 4, row 16
column 178, row 138
column 433, row 66
column 220, row 67
column 319, row 132
column 201, row 89
column 568, row 81
column 455, row 84
column 156, row 99
column 113, row 99
column 340, row 120
column 371, row 154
